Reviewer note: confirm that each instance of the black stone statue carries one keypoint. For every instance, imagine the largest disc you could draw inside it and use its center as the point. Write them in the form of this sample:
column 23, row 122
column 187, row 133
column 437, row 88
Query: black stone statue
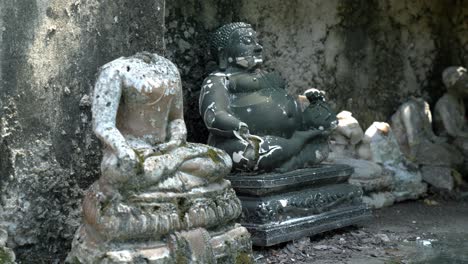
column 251, row 116
column 277, row 138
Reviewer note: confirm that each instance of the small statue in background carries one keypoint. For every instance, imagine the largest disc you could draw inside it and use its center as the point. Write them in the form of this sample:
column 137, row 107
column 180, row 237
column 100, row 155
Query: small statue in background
column 383, row 149
column 347, row 146
column 251, row 116
column 412, row 126
column 159, row 197
column 449, row 113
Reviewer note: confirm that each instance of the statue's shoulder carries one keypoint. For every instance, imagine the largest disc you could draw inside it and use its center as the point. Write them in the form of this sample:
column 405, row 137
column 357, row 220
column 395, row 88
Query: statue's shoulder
column 275, row 77
column 142, row 61
column 445, row 102
column 214, row 77
column 218, row 75
column 414, row 104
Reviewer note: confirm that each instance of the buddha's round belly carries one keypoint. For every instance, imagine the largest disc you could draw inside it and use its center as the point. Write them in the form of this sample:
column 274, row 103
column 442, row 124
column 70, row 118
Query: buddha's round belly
column 268, row 113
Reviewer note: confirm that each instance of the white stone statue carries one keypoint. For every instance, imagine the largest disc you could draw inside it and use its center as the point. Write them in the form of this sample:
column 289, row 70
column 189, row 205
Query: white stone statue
column 347, row 147
column 384, row 150
column 159, row 198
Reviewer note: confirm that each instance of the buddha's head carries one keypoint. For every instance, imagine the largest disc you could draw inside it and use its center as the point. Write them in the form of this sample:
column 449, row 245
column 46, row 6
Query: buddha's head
column 455, row 80
column 236, row 45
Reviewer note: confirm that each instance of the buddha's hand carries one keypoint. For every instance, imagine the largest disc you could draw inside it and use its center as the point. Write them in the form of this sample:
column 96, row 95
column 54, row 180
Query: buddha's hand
column 244, row 130
column 166, row 147
column 314, row 95
column 252, row 142
column 128, row 160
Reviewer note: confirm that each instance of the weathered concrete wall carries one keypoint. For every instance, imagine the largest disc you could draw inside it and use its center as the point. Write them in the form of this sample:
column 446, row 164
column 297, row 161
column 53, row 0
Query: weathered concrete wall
column 368, row 55
column 458, row 28
column 49, row 54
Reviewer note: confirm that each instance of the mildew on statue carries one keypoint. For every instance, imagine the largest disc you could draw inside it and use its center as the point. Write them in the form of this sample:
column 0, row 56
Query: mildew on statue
column 154, row 187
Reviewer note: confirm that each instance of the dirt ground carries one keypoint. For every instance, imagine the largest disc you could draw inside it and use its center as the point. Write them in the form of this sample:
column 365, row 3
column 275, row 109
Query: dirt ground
column 431, row 230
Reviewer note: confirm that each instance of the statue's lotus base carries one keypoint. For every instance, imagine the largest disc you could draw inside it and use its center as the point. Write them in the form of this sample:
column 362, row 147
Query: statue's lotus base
column 279, row 207
column 197, row 226
column 229, row 245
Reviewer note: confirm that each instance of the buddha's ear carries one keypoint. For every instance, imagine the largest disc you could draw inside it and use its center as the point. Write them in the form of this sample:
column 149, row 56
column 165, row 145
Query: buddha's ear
column 222, row 57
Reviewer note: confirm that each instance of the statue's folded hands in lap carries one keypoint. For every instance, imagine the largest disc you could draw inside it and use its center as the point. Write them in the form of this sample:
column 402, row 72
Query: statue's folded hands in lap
column 250, row 115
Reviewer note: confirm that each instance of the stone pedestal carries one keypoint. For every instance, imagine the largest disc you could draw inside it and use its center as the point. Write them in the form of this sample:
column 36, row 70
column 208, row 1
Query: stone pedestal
column 279, row 207
column 197, row 226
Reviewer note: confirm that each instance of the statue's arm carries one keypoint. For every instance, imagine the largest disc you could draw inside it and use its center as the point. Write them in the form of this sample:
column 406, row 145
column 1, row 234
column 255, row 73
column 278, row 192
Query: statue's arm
column 430, row 132
column 215, row 107
column 450, row 124
column 105, row 103
column 176, row 128
column 407, row 117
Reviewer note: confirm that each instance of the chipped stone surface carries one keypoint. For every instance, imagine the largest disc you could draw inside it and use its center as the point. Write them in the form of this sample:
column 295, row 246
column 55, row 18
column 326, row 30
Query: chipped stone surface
column 384, row 149
column 348, row 147
column 439, row 177
column 49, row 55
column 158, row 198
column 379, row 200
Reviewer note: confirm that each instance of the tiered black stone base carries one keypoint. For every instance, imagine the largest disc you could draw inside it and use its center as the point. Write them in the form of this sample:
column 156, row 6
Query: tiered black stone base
column 279, row 207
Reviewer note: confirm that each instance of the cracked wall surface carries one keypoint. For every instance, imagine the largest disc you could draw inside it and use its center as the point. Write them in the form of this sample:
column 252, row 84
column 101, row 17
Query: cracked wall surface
column 49, row 54
column 369, row 56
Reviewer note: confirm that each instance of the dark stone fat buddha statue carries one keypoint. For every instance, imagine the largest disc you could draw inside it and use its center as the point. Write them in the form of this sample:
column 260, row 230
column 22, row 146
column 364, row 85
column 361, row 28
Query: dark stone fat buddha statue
column 276, row 138
column 251, row 116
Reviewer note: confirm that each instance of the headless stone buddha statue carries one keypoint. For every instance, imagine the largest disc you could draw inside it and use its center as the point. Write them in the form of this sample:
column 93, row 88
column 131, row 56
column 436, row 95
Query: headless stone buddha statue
column 154, row 187
column 449, row 113
column 139, row 117
column 251, row 116
column 412, row 126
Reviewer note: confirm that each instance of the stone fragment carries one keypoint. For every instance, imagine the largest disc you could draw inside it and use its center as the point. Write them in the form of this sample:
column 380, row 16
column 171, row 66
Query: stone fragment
column 384, row 149
column 347, row 147
column 379, row 200
column 439, row 177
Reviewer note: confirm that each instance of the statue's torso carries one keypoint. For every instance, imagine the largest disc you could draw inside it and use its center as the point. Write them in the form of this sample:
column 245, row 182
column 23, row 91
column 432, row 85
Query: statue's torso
column 455, row 109
column 143, row 113
column 259, row 101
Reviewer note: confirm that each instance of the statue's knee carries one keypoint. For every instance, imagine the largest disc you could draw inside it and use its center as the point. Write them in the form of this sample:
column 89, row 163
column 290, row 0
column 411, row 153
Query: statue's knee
column 209, row 166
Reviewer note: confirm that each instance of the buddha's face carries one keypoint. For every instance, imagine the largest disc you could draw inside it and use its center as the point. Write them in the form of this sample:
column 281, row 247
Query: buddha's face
column 243, row 49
